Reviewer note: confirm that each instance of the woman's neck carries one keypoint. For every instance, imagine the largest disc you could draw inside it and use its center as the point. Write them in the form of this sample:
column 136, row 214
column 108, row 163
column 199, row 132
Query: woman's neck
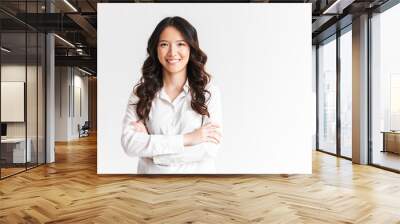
column 174, row 81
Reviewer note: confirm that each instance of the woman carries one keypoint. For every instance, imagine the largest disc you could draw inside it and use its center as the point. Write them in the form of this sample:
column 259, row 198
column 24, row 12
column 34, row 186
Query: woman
column 173, row 118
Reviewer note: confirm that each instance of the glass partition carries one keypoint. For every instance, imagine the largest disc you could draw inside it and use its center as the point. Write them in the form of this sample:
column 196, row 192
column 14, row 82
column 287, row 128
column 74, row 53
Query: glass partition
column 13, row 94
column 41, row 109
column 346, row 93
column 327, row 96
column 22, row 77
column 385, row 89
column 31, row 100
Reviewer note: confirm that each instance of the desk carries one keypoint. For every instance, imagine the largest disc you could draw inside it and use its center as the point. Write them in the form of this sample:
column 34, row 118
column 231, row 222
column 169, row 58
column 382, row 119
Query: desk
column 13, row 150
column 391, row 141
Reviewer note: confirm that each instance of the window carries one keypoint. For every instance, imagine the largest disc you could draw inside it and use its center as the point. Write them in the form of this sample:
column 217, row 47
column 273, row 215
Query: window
column 385, row 89
column 327, row 96
column 346, row 93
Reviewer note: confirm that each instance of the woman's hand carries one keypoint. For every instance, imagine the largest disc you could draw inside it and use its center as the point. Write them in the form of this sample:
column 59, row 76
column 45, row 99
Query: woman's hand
column 140, row 127
column 207, row 133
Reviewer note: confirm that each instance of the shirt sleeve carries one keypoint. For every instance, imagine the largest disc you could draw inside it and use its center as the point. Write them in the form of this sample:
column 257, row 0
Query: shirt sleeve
column 200, row 151
column 140, row 144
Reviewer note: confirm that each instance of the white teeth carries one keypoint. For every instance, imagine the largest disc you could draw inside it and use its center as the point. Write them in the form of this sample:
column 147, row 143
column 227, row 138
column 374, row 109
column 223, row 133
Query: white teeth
column 173, row 61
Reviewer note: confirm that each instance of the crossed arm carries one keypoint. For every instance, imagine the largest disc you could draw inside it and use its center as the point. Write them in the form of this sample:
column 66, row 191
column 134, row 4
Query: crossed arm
column 173, row 149
column 198, row 144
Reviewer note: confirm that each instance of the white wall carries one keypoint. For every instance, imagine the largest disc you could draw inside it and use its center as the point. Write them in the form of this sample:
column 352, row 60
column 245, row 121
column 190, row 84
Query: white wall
column 15, row 72
column 61, row 103
column 314, row 95
column 259, row 57
column 69, row 81
column 79, row 117
column 12, row 73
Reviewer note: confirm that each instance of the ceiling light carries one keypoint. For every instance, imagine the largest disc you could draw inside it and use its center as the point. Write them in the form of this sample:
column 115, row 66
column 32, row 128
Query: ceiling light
column 5, row 50
column 65, row 41
column 84, row 71
column 70, row 5
column 79, row 51
column 338, row 6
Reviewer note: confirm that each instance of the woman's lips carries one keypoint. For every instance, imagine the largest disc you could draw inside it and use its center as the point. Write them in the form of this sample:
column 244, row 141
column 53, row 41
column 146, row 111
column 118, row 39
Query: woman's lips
column 173, row 61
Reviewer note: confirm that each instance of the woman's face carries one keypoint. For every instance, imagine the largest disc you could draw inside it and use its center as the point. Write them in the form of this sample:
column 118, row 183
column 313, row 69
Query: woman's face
column 173, row 51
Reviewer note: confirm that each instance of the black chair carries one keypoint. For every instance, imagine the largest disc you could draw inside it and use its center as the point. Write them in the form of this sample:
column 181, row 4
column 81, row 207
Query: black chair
column 84, row 130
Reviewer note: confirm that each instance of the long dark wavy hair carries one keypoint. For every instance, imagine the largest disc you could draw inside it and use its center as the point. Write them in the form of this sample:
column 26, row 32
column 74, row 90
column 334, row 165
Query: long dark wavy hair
column 152, row 79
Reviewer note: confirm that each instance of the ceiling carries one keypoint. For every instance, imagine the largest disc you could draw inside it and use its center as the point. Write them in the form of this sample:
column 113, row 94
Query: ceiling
column 76, row 22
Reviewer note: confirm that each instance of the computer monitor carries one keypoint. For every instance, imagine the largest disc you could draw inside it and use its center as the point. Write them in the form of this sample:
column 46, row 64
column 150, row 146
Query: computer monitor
column 3, row 129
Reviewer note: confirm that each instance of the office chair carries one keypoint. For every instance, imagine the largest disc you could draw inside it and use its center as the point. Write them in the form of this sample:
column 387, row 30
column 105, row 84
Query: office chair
column 84, row 130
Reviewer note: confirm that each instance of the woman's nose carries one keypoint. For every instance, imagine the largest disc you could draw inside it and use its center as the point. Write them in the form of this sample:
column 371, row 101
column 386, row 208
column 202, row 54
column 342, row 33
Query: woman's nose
column 172, row 50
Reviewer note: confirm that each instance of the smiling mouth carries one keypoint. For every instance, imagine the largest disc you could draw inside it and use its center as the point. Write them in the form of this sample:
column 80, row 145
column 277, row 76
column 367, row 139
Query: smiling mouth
column 173, row 61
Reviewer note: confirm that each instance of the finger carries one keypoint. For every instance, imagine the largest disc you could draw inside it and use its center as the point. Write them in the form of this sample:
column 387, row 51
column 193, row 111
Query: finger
column 216, row 126
column 136, row 124
column 139, row 128
column 213, row 133
column 217, row 138
column 207, row 125
column 140, row 125
column 214, row 139
column 211, row 140
column 211, row 129
column 213, row 124
column 216, row 134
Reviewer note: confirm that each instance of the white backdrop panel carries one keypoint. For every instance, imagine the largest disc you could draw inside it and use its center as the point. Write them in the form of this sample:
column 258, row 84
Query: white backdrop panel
column 260, row 58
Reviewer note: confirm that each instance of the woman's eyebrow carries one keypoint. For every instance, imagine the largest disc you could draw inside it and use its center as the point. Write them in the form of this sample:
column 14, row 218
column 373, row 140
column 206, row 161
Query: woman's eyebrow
column 175, row 41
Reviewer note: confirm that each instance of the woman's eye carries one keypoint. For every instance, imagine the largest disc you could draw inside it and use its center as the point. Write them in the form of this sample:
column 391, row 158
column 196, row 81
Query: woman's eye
column 163, row 44
column 181, row 44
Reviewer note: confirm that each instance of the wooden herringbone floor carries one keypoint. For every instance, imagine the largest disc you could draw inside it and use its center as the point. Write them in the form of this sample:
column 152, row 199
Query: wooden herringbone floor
column 70, row 191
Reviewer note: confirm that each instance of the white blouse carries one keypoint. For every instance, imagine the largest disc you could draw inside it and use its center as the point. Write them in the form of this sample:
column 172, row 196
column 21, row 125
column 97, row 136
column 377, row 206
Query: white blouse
column 162, row 150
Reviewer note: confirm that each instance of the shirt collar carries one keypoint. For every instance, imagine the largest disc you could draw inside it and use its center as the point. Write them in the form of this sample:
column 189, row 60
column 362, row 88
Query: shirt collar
column 161, row 93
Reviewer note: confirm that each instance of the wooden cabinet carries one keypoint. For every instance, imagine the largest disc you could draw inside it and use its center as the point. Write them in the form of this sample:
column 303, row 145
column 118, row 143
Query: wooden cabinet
column 391, row 142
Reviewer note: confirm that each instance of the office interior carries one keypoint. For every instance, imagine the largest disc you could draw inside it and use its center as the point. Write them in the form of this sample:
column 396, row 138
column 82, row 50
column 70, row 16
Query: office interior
column 48, row 82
